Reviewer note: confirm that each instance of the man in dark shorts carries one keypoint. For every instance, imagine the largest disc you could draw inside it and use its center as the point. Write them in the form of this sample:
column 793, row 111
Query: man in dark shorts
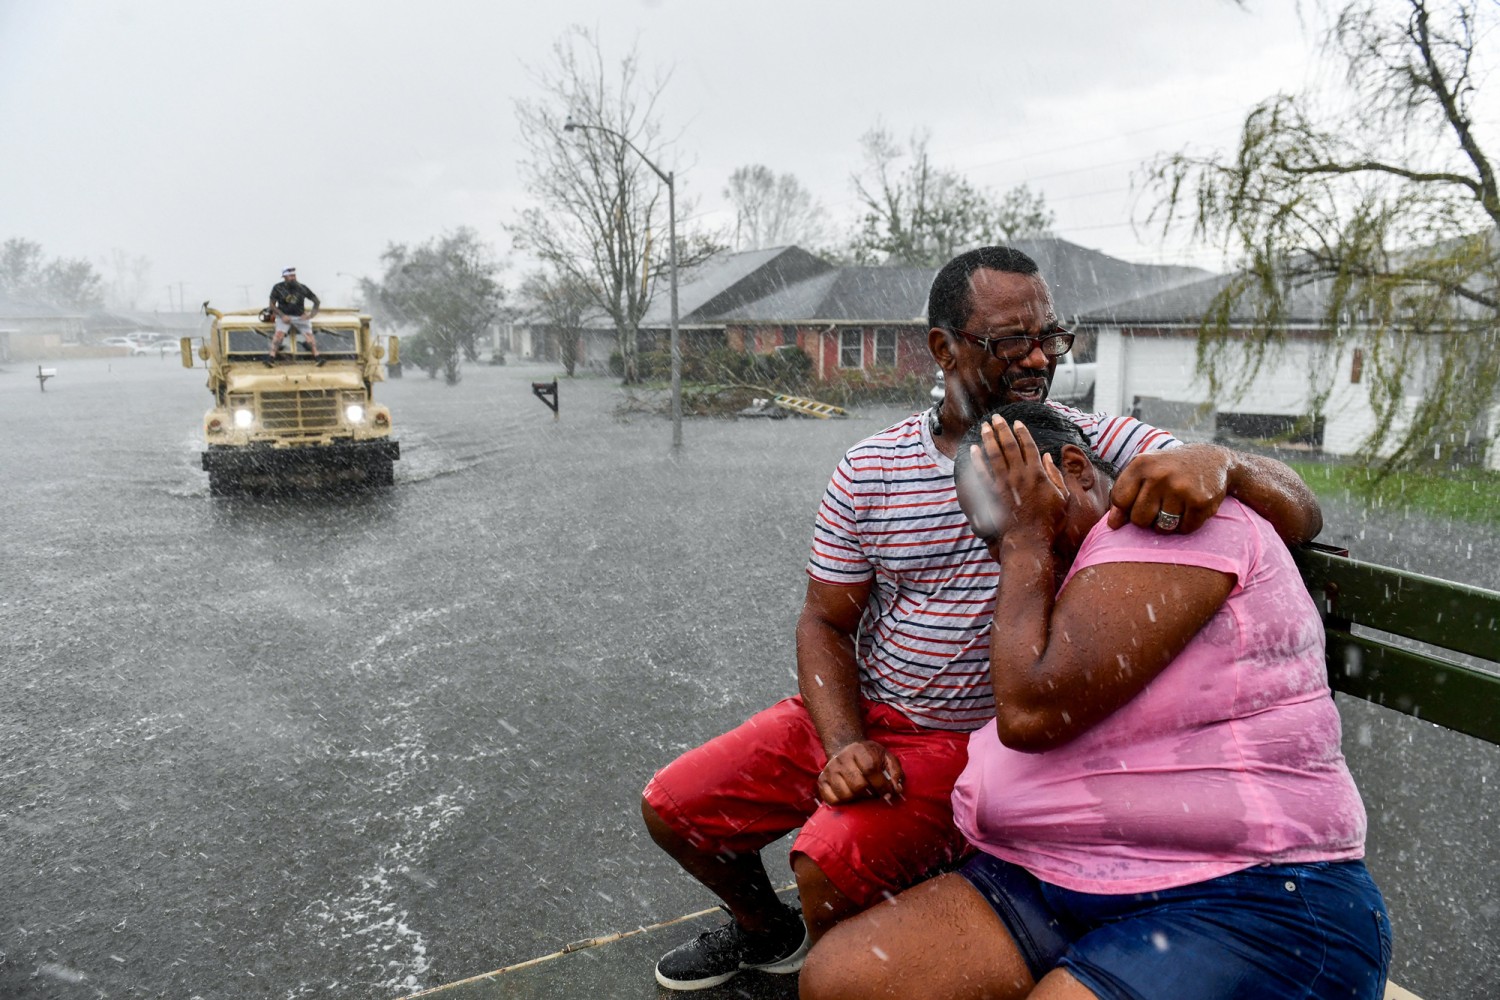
column 288, row 300
column 893, row 641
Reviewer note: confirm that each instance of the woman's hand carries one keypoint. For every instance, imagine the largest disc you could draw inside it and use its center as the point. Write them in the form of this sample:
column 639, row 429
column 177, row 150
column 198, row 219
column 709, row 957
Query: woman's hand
column 1029, row 493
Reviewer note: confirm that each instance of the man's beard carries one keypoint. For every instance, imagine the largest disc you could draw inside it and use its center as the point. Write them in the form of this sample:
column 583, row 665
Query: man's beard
column 1032, row 388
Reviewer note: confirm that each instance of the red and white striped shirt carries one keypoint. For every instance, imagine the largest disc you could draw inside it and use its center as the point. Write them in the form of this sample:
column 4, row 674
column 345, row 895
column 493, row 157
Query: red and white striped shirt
column 891, row 514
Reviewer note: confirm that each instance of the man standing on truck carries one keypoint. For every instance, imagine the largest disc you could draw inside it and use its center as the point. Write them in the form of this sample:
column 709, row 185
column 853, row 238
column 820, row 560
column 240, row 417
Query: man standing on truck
column 288, row 298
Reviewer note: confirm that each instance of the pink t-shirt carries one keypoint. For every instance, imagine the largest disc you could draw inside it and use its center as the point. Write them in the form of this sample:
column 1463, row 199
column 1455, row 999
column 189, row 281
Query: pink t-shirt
column 1229, row 758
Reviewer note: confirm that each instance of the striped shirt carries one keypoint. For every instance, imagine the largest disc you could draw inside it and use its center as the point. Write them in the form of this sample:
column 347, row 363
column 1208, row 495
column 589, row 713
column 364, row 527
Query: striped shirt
column 891, row 516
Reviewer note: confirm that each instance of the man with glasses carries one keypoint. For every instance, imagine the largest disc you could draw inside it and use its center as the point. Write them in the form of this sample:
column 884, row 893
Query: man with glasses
column 893, row 640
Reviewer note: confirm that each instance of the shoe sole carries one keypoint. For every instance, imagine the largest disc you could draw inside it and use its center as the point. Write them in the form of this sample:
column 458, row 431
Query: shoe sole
column 780, row 967
column 695, row 984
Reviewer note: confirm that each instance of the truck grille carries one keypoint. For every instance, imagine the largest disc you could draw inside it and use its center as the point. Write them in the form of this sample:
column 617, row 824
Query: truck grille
column 312, row 411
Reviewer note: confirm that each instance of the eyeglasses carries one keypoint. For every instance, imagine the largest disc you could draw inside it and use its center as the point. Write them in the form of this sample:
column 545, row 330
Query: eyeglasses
column 1054, row 344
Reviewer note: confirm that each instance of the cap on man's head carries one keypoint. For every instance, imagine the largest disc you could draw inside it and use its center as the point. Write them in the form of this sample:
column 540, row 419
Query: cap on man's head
column 287, row 272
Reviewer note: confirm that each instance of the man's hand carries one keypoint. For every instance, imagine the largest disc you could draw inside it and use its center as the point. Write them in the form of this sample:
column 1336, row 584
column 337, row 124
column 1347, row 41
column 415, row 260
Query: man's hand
column 1193, row 480
column 1189, row 482
column 862, row 770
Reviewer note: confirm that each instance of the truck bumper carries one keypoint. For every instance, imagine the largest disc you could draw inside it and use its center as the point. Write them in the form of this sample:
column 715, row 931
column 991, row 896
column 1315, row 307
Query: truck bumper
column 270, row 461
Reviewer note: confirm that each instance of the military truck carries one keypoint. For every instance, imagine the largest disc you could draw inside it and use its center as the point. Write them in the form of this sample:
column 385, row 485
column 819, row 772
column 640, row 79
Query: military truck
column 294, row 424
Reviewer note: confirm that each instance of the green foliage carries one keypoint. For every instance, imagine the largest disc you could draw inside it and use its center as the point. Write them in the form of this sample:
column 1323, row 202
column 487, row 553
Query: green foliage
column 784, row 371
column 924, row 215
column 418, row 350
column 1383, row 218
column 446, row 289
column 1463, row 494
column 879, row 385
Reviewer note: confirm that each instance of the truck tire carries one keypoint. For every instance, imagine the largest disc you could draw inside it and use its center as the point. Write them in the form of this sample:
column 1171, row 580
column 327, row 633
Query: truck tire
column 1086, row 404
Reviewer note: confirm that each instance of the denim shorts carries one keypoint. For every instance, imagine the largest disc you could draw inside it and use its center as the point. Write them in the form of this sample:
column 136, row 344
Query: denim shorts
column 1271, row 932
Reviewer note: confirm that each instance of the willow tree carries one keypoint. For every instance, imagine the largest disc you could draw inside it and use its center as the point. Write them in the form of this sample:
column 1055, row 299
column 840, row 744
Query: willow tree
column 1385, row 202
column 598, row 203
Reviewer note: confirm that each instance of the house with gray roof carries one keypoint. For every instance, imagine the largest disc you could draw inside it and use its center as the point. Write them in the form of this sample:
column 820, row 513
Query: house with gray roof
column 1146, row 354
column 871, row 321
column 36, row 331
column 866, row 322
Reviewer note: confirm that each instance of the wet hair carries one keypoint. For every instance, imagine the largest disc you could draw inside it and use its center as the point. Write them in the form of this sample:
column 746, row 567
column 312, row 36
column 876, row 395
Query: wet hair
column 951, row 301
column 1049, row 429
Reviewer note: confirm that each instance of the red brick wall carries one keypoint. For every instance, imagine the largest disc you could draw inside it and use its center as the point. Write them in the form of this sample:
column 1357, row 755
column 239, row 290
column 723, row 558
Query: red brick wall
column 821, row 343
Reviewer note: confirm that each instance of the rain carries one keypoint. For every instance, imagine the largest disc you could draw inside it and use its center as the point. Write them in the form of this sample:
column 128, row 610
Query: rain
column 371, row 742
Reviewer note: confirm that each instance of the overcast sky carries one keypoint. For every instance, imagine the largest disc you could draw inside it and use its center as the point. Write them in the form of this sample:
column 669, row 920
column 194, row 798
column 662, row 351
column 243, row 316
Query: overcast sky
column 224, row 141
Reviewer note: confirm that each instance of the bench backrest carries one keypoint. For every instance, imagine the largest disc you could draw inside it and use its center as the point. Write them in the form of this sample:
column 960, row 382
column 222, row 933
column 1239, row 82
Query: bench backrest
column 1401, row 640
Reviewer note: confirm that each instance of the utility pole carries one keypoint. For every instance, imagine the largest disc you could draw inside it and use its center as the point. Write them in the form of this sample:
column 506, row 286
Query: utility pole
column 668, row 179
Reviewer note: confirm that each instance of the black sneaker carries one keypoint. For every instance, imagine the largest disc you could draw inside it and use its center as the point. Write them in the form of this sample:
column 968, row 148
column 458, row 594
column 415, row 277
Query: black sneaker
column 269, row 361
column 719, row 955
column 321, row 361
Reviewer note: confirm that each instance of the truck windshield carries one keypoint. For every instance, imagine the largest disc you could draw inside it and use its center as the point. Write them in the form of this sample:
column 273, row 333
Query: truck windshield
column 333, row 341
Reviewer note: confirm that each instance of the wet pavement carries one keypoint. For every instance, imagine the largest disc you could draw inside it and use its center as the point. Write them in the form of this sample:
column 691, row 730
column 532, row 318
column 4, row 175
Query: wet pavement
column 362, row 746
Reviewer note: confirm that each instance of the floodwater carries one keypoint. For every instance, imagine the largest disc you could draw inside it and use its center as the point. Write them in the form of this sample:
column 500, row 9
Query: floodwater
column 352, row 747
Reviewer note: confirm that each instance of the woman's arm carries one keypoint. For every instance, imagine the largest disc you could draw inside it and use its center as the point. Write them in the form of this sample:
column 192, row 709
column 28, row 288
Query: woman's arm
column 1194, row 479
column 1060, row 668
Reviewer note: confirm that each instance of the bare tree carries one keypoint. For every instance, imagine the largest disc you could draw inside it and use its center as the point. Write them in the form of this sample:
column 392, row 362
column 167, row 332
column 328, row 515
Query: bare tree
column 26, row 275
column 922, row 214
column 1390, row 201
column 21, row 268
column 560, row 302
column 599, row 202
column 772, row 211
column 129, row 275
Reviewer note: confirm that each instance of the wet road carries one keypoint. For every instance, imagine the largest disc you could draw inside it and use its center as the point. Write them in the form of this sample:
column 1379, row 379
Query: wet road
column 352, row 748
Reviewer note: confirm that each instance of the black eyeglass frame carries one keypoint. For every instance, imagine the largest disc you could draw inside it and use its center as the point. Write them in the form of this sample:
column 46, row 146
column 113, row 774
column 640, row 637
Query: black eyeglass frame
column 988, row 343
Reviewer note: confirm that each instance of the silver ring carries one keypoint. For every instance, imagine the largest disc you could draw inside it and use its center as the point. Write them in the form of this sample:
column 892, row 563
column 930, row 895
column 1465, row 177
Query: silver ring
column 1168, row 522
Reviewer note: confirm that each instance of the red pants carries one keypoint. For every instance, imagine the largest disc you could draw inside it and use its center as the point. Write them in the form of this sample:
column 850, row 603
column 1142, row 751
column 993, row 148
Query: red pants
column 759, row 781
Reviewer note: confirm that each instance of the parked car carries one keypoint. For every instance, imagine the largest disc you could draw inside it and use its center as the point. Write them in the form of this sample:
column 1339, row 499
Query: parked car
column 125, row 343
column 1073, row 382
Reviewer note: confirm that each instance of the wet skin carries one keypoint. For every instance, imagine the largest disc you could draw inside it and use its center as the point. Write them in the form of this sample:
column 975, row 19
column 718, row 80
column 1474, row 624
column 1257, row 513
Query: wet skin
column 1003, row 305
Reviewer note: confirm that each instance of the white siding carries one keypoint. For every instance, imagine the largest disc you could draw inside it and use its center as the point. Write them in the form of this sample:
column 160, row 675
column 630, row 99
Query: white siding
column 1166, row 367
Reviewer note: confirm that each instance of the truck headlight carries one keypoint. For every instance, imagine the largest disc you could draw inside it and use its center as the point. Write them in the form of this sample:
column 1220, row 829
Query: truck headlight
column 244, row 418
column 354, row 413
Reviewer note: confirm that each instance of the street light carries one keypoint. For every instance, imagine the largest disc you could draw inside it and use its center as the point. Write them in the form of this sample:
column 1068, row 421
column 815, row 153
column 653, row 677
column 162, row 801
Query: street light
column 667, row 178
